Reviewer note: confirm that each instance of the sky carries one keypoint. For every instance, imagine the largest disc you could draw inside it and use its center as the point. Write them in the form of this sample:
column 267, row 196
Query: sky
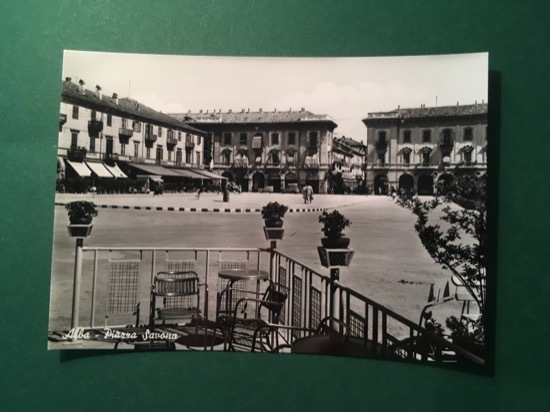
column 346, row 89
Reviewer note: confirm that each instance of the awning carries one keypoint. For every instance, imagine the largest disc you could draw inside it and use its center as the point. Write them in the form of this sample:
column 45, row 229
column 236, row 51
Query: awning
column 60, row 164
column 188, row 173
column 155, row 170
column 99, row 169
column 208, row 175
column 115, row 171
column 147, row 177
column 80, row 168
column 257, row 142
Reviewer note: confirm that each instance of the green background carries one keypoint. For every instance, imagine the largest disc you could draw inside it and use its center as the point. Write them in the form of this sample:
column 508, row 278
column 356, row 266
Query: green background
column 33, row 35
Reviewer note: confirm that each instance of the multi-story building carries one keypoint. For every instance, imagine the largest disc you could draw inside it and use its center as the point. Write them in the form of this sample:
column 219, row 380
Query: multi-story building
column 420, row 148
column 99, row 133
column 268, row 150
column 346, row 174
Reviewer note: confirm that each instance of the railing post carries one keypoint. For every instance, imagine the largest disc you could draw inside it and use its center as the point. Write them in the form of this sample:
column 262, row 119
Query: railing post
column 272, row 249
column 76, row 287
column 334, row 298
column 94, row 285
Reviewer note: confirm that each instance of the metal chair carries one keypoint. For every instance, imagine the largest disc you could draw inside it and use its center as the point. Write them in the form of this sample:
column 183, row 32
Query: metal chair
column 249, row 328
column 180, row 296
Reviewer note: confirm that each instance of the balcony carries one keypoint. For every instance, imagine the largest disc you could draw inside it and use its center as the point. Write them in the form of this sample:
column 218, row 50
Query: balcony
column 94, row 127
column 150, row 137
column 62, row 119
column 171, row 142
column 446, row 146
column 77, row 154
column 357, row 322
column 190, row 145
column 125, row 133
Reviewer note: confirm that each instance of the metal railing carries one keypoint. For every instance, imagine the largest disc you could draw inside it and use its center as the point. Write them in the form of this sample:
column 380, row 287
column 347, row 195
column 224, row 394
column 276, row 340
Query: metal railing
column 313, row 296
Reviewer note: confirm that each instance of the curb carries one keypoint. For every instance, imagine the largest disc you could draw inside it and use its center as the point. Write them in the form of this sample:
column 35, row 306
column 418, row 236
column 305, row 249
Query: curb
column 200, row 210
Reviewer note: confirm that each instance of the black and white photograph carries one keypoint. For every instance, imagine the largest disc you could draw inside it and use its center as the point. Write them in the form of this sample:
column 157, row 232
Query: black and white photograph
column 299, row 206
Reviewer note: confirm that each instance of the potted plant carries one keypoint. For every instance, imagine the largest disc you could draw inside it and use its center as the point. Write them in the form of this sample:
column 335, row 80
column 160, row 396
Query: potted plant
column 334, row 251
column 333, row 224
column 80, row 214
column 273, row 214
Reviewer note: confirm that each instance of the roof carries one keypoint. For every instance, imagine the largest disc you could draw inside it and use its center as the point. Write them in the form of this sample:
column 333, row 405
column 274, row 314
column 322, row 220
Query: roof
column 253, row 117
column 126, row 107
column 348, row 146
column 427, row 112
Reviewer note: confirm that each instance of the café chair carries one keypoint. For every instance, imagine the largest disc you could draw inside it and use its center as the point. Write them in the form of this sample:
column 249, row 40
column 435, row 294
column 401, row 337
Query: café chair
column 250, row 329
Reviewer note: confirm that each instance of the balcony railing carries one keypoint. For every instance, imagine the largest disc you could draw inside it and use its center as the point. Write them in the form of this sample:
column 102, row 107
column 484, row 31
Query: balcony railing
column 170, row 141
column 381, row 145
column 189, row 145
column 94, row 127
column 312, row 297
column 150, row 137
column 125, row 133
column 77, row 154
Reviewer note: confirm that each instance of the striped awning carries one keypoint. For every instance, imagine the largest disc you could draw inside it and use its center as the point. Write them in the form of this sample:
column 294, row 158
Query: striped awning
column 99, row 169
column 115, row 171
column 80, row 168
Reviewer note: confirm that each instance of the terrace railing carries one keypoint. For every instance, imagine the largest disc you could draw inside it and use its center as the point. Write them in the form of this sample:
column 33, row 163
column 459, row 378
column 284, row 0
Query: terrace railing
column 127, row 273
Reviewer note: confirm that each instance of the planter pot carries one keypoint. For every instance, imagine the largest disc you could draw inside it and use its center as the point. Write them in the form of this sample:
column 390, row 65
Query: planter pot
column 278, row 222
column 273, row 233
column 335, row 242
column 80, row 220
column 79, row 231
column 335, row 257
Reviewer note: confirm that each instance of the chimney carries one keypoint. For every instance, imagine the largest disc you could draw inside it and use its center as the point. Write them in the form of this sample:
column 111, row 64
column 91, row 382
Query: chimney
column 98, row 92
column 230, row 111
column 275, row 110
column 200, row 111
column 188, row 111
column 261, row 110
column 206, row 111
column 457, row 103
column 303, row 109
column 242, row 111
column 483, row 101
column 248, row 110
column 115, row 98
column 81, row 86
column 68, row 79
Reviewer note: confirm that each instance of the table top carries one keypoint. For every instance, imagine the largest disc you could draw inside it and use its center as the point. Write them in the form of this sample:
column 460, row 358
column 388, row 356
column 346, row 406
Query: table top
column 243, row 274
column 335, row 345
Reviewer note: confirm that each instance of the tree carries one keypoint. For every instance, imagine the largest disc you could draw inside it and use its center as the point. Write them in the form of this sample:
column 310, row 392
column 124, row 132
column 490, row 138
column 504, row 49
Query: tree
column 467, row 261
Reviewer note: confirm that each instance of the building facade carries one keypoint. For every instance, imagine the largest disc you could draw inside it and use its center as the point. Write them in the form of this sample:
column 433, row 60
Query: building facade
column 102, row 137
column 420, row 149
column 268, row 151
column 347, row 172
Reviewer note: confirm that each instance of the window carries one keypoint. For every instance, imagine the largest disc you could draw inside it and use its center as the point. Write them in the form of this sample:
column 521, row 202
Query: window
column 159, row 154
column 447, row 137
column 94, row 114
column 426, row 136
column 467, row 157
column 426, row 158
column 199, row 139
column 74, row 139
column 291, row 138
column 75, row 112
column 381, row 158
column 109, row 145
column 407, row 158
column 123, row 149
column 179, row 136
column 169, row 155
column 468, row 134
column 109, row 120
column 198, row 158
column 227, row 138
column 243, row 139
column 382, row 137
column 136, row 149
column 407, row 136
column 274, row 157
column 178, row 157
column 274, row 138
column 124, row 123
column 137, row 127
column 147, row 152
column 160, row 131
column 189, row 157
column 188, row 139
column 92, row 144
column 312, row 139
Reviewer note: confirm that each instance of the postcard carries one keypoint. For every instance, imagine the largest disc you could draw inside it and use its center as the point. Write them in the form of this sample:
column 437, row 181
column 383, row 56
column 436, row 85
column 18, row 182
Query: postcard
column 326, row 206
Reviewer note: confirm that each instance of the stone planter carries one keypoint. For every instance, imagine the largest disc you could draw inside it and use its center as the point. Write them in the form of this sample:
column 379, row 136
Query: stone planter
column 335, row 257
column 79, row 230
column 273, row 233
